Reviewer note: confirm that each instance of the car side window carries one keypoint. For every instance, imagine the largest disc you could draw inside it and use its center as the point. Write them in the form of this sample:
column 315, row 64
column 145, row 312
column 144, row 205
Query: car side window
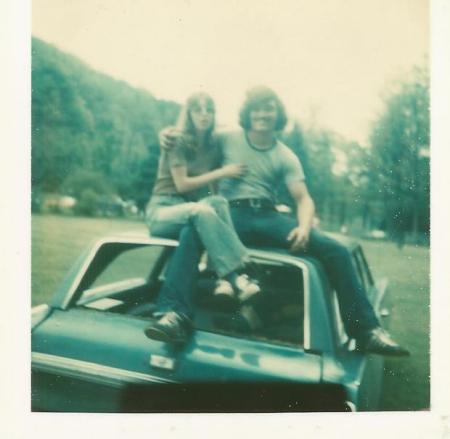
column 127, row 269
column 275, row 315
column 130, row 264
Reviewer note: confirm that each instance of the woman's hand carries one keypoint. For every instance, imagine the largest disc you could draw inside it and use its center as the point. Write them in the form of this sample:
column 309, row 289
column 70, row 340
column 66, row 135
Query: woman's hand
column 168, row 137
column 234, row 170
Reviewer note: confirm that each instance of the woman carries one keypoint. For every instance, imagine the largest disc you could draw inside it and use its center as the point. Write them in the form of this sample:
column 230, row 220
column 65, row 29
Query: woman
column 181, row 199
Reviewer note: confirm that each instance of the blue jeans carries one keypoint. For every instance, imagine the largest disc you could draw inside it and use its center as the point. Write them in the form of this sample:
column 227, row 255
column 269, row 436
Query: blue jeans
column 177, row 292
column 258, row 227
column 203, row 224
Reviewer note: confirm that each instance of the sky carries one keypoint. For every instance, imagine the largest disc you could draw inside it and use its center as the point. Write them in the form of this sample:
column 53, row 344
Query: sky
column 329, row 60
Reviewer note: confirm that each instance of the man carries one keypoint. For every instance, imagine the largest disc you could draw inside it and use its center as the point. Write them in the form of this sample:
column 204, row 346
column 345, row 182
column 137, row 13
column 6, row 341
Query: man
column 252, row 201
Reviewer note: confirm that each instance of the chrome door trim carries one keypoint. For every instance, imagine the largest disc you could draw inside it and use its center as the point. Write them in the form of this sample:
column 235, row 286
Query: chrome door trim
column 92, row 372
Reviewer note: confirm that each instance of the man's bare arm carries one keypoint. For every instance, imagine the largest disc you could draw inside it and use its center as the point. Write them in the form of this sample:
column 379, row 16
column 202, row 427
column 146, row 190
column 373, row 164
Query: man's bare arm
column 299, row 236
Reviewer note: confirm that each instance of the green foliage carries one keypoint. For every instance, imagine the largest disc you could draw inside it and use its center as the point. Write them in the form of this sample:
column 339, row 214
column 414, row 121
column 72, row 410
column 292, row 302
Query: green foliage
column 81, row 180
column 332, row 168
column 400, row 168
column 385, row 186
column 321, row 179
column 87, row 203
column 84, row 120
column 295, row 139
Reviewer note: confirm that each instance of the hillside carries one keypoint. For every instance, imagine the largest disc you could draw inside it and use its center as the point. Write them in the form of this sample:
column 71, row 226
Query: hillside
column 87, row 123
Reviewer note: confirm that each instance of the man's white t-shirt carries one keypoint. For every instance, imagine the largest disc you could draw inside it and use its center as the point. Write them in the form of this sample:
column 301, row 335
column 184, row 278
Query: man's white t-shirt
column 266, row 169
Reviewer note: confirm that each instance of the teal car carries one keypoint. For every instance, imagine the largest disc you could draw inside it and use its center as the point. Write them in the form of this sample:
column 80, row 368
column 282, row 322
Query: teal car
column 90, row 353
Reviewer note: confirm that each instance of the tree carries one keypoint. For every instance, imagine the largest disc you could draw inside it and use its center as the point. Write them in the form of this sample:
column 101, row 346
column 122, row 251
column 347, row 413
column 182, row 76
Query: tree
column 400, row 151
column 83, row 120
column 332, row 170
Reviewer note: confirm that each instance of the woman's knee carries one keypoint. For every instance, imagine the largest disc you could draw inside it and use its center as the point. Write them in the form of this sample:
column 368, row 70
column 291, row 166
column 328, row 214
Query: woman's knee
column 216, row 201
column 202, row 210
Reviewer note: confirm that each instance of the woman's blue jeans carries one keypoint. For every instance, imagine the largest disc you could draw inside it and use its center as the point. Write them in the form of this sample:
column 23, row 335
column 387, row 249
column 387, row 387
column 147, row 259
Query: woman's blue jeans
column 202, row 224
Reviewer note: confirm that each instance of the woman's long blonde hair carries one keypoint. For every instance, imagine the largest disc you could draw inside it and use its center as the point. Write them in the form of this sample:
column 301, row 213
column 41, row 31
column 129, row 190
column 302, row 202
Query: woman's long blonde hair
column 185, row 124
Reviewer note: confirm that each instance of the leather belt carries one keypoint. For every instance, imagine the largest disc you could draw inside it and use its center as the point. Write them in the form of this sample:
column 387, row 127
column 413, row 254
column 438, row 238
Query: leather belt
column 253, row 203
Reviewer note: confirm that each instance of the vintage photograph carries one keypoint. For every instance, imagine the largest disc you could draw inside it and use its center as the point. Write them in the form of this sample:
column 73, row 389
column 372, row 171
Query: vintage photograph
column 230, row 206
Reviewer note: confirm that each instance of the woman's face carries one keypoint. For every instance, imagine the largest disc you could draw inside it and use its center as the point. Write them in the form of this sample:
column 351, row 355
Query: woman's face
column 202, row 115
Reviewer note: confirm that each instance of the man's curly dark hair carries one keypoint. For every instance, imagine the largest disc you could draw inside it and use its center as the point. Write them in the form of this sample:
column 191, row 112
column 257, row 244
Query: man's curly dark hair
column 256, row 96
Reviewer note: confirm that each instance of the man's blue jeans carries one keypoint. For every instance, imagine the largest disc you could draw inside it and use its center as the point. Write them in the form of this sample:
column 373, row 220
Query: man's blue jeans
column 264, row 227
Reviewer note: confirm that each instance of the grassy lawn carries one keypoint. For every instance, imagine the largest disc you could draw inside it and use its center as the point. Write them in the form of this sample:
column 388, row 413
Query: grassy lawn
column 407, row 382
column 57, row 242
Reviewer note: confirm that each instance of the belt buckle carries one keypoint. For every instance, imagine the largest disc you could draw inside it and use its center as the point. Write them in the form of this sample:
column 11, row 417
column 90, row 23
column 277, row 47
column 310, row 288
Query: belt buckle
column 255, row 203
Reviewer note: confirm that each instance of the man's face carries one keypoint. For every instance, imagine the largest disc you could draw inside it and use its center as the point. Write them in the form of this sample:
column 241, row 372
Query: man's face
column 263, row 117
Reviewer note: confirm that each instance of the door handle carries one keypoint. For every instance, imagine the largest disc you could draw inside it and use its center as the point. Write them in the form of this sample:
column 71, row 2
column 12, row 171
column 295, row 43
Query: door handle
column 162, row 362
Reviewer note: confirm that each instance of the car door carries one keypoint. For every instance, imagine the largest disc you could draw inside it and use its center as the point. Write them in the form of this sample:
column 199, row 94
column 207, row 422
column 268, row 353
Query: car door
column 88, row 354
column 268, row 359
column 86, row 360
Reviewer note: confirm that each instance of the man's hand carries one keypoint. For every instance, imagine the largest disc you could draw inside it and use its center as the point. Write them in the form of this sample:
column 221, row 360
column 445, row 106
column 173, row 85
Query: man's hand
column 299, row 238
column 168, row 137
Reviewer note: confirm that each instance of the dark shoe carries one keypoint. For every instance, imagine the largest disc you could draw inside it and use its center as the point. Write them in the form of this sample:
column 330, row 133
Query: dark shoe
column 170, row 328
column 378, row 341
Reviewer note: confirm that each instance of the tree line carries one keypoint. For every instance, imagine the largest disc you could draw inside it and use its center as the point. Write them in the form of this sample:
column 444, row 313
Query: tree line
column 95, row 137
column 91, row 134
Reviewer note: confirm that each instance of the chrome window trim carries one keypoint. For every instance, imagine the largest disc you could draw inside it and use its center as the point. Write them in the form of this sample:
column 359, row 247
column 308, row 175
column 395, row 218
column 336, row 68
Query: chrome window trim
column 112, row 288
column 92, row 372
column 381, row 295
column 342, row 336
column 306, row 291
column 96, row 247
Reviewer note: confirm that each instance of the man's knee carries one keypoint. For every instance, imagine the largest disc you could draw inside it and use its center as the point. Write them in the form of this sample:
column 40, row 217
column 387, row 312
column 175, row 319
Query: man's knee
column 337, row 250
column 326, row 246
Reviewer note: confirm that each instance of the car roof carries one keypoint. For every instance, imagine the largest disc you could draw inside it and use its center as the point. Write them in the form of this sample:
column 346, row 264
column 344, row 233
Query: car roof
column 133, row 236
column 67, row 289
